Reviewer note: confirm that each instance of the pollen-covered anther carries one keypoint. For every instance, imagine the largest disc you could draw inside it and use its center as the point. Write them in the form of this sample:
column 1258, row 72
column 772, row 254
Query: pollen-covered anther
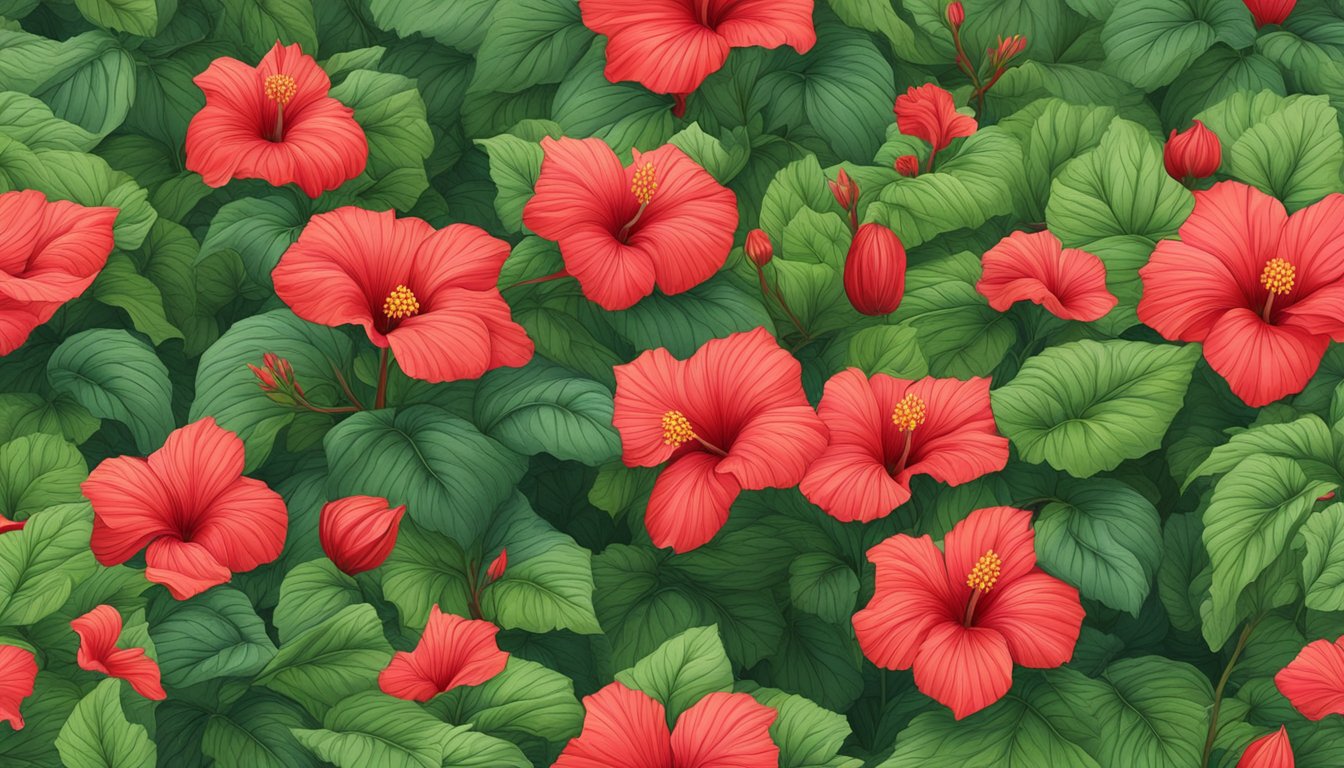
column 677, row 429
column 644, row 184
column 908, row 413
column 280, row 89
column 1278, row 276
column 400, row 303
column 985, row 572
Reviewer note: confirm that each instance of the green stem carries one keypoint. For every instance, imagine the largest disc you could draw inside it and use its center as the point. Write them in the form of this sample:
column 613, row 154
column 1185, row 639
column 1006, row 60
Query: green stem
column 1218, row 692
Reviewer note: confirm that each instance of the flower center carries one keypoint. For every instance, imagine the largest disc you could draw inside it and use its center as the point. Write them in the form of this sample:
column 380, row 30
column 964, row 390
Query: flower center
column 985, row 572
column 909, row 413
column 642, row 186
column 280, row 89
column 677, row 429
column 400, row 304
column 1278, row 276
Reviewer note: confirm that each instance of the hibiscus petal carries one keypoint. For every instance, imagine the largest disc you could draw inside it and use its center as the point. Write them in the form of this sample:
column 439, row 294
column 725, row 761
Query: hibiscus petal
column 646, row 389
column 928, row 113
column 1271, row 751
column 466, row 334
column 958, row 441
column 458, row 256
column 964, row 668
column 732, row 380
column 775, row 448
column 1039, row 617
column 657, row 43
column 850, row 485
column 18, row 671
column 1313, row 242
column 725, row 730
column 244, row 526
column 71, row 246
column 99, row 631
column 1262, row 362
column 1035, row 267
column 452, row 652
column 1240, row 227
column 185, row 568
column 198, row 463
column 1314, row 681
column 689, row 502
column 911, row 597
column 1186, row 290
column 766, row 23
column 1005, row 530
column 19, row 319
column 1320, row 314
column 323, row 148
column 131, row 507
column 621, row 727
column 687, row 229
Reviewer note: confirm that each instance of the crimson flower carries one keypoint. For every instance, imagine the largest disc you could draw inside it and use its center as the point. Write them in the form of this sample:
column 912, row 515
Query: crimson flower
column 1266, row 12
column 662, row 220
column 430, row 295
column 1036, row 267
column 189, row 503
column 1261, row 289
column 884, row 431
column 1192, row 154
column 927, row 112
column 498, row 566
column 52, row 252
column 875, row 270
column 358, row 532
column 907, row 165
column 963, row 616
column 452, row 652
column 1314, row 681
column 758, row 247
column 1271, row 751
column 732, row 417
column 276, row 122
column 671, row 46
column 625, row 728
column 18, row 671
column 99, row 630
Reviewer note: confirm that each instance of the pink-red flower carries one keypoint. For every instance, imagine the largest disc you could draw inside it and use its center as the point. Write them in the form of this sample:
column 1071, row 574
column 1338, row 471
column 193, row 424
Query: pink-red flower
column 732, row 417
column 430, row 295
column 625, row 728
column 1036, row 267
column 99, row 630
column 7, row 525
column 189, row 507
column 276, row 122
column 927, row 112
column 662, row 220
column 1266, row 12
column 18, row 671
column 671, row 46
column 907, row 165
column 758, row 247
column 1314, row 681
column 1261, row 289
column 884, row 431
column 498, row 566
column 50, row 253
column 452, row 652
column 1271, row 751
column 875, row 270
column 963, row 616
column 1192, row 154
column 359, row 532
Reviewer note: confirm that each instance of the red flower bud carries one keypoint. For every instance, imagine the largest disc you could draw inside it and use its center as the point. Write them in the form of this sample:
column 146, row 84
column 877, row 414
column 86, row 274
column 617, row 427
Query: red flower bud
column 875, row 270
column 845, row 189
column 1267, row 12
column 358, row 532
column 956, row 15
column 501, row 562
column 1193, row 154
column 264, row 376
column 1006, row 50
column 907, row 165
column 758, row 247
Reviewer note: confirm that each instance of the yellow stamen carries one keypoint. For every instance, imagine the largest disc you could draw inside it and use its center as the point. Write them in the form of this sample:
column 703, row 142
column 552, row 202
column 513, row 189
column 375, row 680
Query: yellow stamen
column 1278, row 276
column 985, row 572
column 280, row 89
column 677, row 429
column 400, row 303
column 909, row 413
column 644, row 184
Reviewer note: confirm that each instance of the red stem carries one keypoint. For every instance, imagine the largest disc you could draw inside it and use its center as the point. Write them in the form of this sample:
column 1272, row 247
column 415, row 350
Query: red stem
column 544, row 278
column 380, row 400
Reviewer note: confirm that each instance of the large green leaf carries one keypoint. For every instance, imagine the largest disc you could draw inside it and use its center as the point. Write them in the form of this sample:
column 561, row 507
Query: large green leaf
column 97, row 735
column 42, row 563
column 808, row 736
column 526, row 699
column 88, row 79
column 529, row 42
column 684, row 322
column 1149, row 42
column 543, row 408
column 625, row 115
column 682, row 670
column 326, row 663
column 116, row 376
column 121, row 285
column 38, row 471
column 256, row 25
column 1052, row 132
column 822, row 584
column 1323, row 563
column 515, row 166
column 1086, row 406
column 256, row 733
column 392, row 113
column 30, row 122
column 375, row 729
column 313, row 592
column 138, row 17
column 259, row 229
column 889, row 349
column 217, row 634
column 459, row 23
column 1295, row 154
column 28, row 413
column 1307, row 441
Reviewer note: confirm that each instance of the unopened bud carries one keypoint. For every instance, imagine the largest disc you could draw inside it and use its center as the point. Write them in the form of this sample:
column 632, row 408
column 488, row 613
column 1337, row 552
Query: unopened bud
column 956, row 15
column 845, row 189
column 496, row 569
column 758, row 247
column 907, row 165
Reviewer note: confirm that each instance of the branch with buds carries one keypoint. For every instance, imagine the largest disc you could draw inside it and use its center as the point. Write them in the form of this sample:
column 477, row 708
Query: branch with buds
column 997, row 57
column 277, row 380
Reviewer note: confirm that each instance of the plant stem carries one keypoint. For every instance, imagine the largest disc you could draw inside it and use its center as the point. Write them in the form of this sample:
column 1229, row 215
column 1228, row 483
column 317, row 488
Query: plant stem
column 380, row 400
column 1218, row 692
column 345, row 387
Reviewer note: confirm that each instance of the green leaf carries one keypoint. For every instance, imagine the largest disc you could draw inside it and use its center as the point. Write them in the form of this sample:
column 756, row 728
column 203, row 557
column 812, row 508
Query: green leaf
column 311, row 593
column 1295, row 154
column 27, row 413
column 1104, row 537
column 97, row 735
column 798, row 185
column 890, row 349
column 684, row 322
column 138, row 17
column 1052, row 132
column 1307, row 441
column 1086, row 406
column 39, row 471
column 217, row 634
column 256, row 25
column 808, row 736
column 120, row 285
column 88, row 79
column 116, row 376
column 30, row 122
column 958, row 332
column 259, row 229
column 1323, row 564
column 327, row 663
column 256, row 733
column 1183, row 577
column 449, row 476
column 526, row 699
column 461, row 24
column 542, row 408
column 42, row 563
column 515, row 165
column 625, row 115
column 724, row 158
column 1249, row 521
column 468, row 749
column 683, row 670
column 529, row 42
column 1149, row 42
column 823, row 585
column 372, row 728
column 819, row 660
column 392, row 113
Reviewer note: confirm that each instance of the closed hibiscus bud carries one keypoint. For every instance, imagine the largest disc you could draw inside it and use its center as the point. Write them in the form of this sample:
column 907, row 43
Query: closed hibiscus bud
column 956, row 15
column 875, row 270
column 1266, row 12
column 1006, row 50
column 907, row 165
column 501, row 562
column 1192, row 154
column 845, row 189
column 358, row 532
column 758, row 247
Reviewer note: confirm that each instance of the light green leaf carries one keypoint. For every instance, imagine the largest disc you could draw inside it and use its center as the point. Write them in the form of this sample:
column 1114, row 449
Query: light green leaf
column 683, row 670
column 461, row 24
column 312, row 593
column 808, row 736
column 27, row 413
column 97, row 735
column 889, row 349
column 372, row 728
column 326, row 663
column 88, row 79
column 256, row 733
column 41, row 564
column 30, row 121
column 138, row 17
column 120, row 285
column 526, row 699
column 515, row 165
column 39, row 471
column 392, row 113
column 1307, row 441
column 1323, row 563
column 1296, row 154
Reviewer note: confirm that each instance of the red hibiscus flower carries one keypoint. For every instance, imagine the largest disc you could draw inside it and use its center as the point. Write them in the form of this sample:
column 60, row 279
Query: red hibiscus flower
column 430, row 295
column 1036, row 267
column 18, row 671
column 962, row 617
column 928, row 113
column 1314, row 681
column 276, row 122
column 663, row 220
column 671, row 46
column 52, row 251
column 452, row 652
column 189, row 503
column 358, row 532
column 1272, row 751
column 99, row 630
column 884, row 431
column 1261, row 289
column 1266, row 12
column 624, row 728
column 733, row 416
column 1192, row 154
